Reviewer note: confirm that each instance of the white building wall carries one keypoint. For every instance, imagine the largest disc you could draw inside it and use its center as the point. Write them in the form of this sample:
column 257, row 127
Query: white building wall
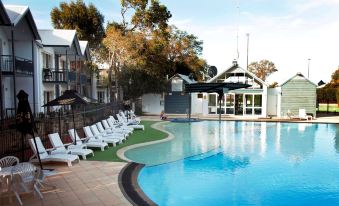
column 197, row 106
column 5, row 42
column 272, row 102
column 152, row 104
column 264, row 101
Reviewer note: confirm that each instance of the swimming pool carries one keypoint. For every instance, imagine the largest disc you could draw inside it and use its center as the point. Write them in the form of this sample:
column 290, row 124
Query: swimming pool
column 242, row 163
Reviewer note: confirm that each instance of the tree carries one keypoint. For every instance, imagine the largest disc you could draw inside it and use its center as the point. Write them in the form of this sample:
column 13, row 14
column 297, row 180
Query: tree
column 262, row 69
column 86, row 20
column 184, row 51
column 132, row 42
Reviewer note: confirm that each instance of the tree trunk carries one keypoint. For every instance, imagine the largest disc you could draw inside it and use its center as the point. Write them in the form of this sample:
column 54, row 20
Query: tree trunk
column 111, row 96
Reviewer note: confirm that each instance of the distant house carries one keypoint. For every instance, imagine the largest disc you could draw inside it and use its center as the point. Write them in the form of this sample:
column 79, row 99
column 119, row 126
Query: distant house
column 174, row 101
column 296, row 93
column 255, row 101
column 251, row 101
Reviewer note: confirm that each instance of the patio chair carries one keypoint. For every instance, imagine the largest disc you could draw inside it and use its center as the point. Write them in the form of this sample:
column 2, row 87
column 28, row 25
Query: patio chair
column 89, row 134
column 9, row 161
column 303, row 115
column 134, row 126
column 25, row 180
column 111, row 131
column 52, row 156
column 72, row 149
column 111, row 137
column 87, row 142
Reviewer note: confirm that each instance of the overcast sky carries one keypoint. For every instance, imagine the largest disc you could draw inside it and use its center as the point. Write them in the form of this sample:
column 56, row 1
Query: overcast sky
column 287, row 32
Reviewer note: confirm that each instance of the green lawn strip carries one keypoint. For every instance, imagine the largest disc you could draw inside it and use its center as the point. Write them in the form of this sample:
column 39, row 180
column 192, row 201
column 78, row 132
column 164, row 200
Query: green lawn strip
column 332, row 108
column 138, row 136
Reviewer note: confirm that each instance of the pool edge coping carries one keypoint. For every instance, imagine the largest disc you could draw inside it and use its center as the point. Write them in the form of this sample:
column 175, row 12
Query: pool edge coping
column 129, row 186
column 170, row 136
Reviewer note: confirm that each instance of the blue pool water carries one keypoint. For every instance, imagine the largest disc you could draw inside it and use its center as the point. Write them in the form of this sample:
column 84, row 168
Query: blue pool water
column 242, row 163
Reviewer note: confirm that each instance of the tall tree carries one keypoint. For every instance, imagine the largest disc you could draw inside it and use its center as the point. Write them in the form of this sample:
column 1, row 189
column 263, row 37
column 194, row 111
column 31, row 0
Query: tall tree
column 87, row 20
column 147, row 18
column 262, row 69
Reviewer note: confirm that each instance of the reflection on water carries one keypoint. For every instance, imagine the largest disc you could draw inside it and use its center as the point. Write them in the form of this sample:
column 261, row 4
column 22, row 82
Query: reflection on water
column 336, row 139
column 295, row 141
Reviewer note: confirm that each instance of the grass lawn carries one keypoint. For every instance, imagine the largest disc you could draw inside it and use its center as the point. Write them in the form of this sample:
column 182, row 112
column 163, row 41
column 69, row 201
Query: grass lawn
column 332, row 108
column 138, row 136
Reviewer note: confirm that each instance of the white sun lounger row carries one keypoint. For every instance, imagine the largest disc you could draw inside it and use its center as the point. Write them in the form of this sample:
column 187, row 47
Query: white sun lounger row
column 99, row 135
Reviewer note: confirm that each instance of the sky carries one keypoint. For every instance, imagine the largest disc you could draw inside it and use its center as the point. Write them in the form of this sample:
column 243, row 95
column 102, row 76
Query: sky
column 286, row 32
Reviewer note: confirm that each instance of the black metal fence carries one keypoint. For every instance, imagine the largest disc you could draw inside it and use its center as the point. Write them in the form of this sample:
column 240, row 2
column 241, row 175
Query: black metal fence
column 12, row 143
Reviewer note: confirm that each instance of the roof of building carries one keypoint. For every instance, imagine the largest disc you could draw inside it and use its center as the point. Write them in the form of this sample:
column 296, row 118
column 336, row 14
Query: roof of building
column 4, row 19
column 235, row 66
column 57, row 37
column 298, row 76
column 60, row 38
column 17, row 12
column 184, row 77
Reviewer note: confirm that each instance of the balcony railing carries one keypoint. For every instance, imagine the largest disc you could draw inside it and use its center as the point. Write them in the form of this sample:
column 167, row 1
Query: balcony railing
column 22, row 65
column 53, row 76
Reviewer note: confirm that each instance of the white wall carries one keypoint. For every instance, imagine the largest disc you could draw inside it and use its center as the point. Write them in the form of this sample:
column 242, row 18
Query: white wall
column 197, row 105
column 151, row 104
column 272, row 101
column 5, row 42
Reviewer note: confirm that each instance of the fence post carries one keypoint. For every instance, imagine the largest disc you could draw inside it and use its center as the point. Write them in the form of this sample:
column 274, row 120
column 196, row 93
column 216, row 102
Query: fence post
column 59, row 121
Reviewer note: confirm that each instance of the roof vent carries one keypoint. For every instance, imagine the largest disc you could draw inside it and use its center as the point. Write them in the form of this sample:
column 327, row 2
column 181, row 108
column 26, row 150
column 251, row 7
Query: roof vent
column 300, row 74
column 235, row 63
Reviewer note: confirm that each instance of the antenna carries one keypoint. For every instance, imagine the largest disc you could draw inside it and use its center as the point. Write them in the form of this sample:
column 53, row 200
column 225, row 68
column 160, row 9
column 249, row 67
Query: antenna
column 238, row 17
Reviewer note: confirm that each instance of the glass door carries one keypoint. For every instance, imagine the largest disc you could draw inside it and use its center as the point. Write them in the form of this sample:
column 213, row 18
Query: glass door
column 239, row 104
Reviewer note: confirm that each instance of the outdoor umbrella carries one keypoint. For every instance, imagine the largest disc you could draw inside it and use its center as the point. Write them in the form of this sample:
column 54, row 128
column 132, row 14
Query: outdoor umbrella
column 25, row 121
column 70, row 97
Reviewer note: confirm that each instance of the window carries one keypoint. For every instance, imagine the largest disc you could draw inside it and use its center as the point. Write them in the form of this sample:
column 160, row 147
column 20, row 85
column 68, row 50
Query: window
column 177, row 85
column 212, row 103
column 46, row 60
column 212, row 100
column 253, row 104
column 101, row 97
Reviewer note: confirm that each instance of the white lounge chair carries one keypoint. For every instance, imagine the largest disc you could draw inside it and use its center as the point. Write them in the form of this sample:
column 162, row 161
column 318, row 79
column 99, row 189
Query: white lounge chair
column 111, row 131
column 89, row 134
column 71, row 148
column 131, row 120
column 116, row 128
column 115, row 123
column 303, row 115
column 118, row 137
column 52, row 157
column 134, row 126
column 87, row 142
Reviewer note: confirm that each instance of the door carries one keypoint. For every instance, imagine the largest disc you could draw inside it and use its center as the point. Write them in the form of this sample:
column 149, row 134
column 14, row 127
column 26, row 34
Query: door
column 239, row 104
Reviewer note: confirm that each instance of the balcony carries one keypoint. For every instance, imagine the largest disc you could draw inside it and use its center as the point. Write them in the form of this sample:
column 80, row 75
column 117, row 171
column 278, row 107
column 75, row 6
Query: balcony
column 22, row 65
column 50, row 75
